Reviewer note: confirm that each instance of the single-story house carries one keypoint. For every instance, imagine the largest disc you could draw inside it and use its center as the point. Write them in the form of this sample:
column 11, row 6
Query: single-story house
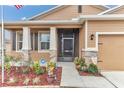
column 64, row 32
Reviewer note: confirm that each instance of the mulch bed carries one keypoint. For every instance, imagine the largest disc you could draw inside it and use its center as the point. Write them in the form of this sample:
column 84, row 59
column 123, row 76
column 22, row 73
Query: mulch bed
column 84, row 73
column 15, row 72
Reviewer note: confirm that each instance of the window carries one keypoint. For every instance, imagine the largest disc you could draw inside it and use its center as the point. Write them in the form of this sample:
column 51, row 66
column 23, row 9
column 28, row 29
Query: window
column 44, row 41
column 19, row 37
column 80, row 9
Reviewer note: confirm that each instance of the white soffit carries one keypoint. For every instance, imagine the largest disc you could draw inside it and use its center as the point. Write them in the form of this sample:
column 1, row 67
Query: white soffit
column 102, row 17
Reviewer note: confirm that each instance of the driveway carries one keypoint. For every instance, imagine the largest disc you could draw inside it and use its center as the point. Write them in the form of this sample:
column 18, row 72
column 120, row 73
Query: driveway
column 114, row 77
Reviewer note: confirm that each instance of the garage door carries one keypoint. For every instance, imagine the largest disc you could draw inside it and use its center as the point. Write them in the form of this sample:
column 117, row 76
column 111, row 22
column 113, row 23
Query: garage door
column 111, row 52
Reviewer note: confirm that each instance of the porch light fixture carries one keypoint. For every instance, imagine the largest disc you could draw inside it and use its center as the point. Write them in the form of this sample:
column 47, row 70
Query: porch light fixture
column 91, row 36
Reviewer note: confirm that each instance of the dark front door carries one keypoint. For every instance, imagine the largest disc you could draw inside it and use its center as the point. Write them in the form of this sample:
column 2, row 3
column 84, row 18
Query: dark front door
column 68, row 47
column 67, row 44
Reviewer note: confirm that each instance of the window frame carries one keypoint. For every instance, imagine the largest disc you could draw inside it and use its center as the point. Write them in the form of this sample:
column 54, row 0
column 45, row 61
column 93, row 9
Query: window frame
column 39, row 45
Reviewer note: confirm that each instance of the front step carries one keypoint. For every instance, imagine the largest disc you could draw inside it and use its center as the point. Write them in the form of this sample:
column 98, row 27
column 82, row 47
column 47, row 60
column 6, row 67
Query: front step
column 65, row 59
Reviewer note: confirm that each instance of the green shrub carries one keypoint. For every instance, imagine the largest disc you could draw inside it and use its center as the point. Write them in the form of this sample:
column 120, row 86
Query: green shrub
column 51, row 64
column 7, row 67
column 80, row 64
column 76, row 61
column 38, row 69
column 8, row 58
column 50, row 68
column 92, row 68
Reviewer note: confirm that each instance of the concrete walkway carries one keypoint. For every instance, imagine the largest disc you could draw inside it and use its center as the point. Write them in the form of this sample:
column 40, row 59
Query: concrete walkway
column 96, row 82
column 115, row 77
column 70, row 77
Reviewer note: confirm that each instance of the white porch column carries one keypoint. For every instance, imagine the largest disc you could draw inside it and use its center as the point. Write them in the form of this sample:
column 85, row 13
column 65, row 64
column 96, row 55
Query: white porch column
column 26, row 45
column 53, row 44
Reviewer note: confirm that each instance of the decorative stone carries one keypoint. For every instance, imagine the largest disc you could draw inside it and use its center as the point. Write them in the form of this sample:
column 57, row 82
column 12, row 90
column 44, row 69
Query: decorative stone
column 90, row 57
column 36, row 80
column 12, row 80
column 26, row 81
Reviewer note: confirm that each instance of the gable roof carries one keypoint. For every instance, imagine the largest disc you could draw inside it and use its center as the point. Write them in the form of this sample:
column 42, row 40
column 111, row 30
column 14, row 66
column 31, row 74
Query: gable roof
column 60, row 7
column 47, row 11
column 111, row 10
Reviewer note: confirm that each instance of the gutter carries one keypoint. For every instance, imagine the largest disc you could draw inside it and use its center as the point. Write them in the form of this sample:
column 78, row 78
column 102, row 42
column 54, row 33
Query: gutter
column 45, row 22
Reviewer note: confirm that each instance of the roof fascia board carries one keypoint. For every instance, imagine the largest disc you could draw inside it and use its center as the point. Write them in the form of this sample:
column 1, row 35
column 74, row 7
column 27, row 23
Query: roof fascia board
column 110, row 10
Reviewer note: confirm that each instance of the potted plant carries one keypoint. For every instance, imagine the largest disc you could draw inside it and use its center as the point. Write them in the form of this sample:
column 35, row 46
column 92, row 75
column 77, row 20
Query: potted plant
column 83, row 64
column 80, row 64
column 77, row 63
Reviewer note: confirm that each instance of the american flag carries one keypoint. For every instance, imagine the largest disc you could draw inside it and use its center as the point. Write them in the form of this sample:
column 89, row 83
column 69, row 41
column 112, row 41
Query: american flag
column 18, row 6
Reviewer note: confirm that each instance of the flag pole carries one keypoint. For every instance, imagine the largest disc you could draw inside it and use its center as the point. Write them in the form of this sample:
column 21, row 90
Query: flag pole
column 2, row 26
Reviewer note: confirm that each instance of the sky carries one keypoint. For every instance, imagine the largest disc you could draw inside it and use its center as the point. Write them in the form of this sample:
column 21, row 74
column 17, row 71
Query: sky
column 11, row 13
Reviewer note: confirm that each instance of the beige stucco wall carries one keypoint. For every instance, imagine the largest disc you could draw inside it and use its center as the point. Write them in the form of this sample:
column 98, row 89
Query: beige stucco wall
column 90, row 9
column 103, row 26
column 70, row 12
column 35, row 55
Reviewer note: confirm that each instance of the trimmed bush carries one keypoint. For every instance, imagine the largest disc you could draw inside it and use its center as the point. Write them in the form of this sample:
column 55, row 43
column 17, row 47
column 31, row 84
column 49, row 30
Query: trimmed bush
column 8, row 58
column 92, row 68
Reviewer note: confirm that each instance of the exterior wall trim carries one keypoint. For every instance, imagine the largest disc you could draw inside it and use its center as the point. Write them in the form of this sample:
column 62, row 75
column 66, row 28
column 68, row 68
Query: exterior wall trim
column 86, row 33
column 105, row 33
